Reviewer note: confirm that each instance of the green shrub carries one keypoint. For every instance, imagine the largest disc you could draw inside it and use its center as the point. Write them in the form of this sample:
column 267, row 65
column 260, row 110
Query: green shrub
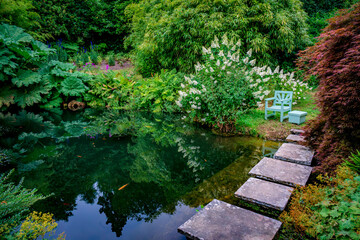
column 84, row 21
column 158, row 93
column 330, row 211
column 111, row 60
column 170, row 34
column 15, row 202
column 109, row 90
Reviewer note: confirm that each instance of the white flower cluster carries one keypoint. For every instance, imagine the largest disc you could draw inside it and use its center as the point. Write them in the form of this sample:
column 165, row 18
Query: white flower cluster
column 267, row 80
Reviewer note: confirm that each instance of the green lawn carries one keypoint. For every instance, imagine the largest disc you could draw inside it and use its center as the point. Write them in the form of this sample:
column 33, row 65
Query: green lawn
column 254, row 123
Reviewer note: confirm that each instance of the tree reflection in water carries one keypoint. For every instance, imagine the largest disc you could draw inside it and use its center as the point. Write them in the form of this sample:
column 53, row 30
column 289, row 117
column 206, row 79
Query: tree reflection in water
column 90, row 156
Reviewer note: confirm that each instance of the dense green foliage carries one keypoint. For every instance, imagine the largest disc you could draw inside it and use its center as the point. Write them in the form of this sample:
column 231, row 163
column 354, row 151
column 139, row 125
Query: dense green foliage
column 27, row 78
column 335, row 61
column 327, row 211
column 15, row 202
column 170, row 34
column 124, row 91
column 321, row 10
column 22, row 14
column 100, row 21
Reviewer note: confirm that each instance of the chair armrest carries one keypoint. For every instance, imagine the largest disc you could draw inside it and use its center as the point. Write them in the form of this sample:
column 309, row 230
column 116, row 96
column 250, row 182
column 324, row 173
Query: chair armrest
column 269, row 99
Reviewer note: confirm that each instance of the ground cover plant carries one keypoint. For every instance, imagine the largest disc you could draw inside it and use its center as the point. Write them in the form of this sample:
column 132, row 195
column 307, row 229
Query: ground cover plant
column 326, row 210
column 170, row 34
column 334, row 59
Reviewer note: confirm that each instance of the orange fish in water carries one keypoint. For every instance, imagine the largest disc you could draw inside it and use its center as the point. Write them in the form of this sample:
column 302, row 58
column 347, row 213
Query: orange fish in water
column 121, row 188
column 79, row 156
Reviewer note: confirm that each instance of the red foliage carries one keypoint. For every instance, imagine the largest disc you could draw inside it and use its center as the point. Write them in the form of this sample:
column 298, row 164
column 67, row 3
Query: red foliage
column 335, row 60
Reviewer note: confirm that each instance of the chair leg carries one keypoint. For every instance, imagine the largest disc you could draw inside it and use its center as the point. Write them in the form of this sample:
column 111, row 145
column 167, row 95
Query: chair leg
column 265, row 114
column 281, row 117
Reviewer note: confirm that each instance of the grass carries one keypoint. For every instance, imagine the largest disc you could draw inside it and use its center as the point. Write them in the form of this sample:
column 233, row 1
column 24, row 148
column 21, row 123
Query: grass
column 253, row 122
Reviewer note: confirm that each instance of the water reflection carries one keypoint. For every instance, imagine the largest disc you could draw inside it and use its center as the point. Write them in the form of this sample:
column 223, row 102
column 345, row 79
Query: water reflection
column 134, row 175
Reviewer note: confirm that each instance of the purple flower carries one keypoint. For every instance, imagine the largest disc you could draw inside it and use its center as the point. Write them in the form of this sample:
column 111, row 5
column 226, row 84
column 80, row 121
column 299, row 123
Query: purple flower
column 107, row 67
column 110, row 134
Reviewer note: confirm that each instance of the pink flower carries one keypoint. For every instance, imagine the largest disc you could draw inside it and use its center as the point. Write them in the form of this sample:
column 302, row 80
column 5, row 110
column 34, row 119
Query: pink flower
column 107, row 67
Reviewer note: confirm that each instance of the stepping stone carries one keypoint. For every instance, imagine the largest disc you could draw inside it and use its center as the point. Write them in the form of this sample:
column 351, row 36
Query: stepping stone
column 223, row 221
column 295, row 153
column 282, row 172
column 297, row 131
column 295, row 138
column 265, row 193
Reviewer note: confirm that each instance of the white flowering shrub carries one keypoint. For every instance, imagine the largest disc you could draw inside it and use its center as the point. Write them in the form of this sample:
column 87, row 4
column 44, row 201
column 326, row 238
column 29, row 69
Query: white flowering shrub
column 264, row 81
column 228, row 83
column 219, row 88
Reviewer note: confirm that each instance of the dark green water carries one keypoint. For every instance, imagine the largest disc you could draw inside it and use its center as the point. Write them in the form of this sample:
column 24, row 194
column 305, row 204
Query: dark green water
column 133, row 176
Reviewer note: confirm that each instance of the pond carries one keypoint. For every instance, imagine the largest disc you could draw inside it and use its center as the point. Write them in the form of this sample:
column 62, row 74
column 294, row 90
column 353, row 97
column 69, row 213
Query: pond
column 126, row 176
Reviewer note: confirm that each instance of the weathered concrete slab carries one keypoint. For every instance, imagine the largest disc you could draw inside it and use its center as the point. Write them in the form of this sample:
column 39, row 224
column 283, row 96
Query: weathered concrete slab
column 295, row 138
column 294, row 153
column 279, row 171
column 265, row 193
column 220, row 220
column 297, row 131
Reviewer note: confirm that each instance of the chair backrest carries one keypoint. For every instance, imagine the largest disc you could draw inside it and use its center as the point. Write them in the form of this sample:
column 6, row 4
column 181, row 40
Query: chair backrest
column 280, row 96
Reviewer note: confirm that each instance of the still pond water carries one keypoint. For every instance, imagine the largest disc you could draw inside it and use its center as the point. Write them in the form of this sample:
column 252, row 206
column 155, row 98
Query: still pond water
column 129, row 176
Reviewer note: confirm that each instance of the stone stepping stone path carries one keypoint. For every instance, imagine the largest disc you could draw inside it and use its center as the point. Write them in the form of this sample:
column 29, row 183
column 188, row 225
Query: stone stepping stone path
column 297, row 131
column 265, row 193
column 287, row 173
column 295, row 153
column 219, row 220
column 295, row 138
column 223, row 221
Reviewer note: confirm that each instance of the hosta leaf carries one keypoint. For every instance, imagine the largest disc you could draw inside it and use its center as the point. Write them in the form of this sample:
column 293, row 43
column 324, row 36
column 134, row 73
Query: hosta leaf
column 73, row 86
column 26, row 77
column 10, row 34
column 6, row 96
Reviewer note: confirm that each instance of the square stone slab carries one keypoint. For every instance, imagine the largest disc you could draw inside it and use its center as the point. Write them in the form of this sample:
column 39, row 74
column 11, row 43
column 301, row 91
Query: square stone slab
column 295, row 138
column 294, row 153
column 278, row 171
column 265, row 193
column 297, row 131
column 223, row 221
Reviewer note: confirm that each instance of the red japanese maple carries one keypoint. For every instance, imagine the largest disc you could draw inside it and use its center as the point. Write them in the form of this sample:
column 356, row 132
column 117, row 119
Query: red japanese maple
column 335, row 60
